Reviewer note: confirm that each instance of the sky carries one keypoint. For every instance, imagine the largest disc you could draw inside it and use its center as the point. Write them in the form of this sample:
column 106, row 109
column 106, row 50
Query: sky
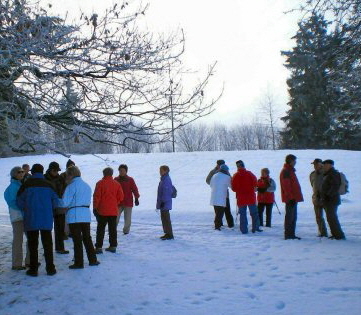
column 244, row 38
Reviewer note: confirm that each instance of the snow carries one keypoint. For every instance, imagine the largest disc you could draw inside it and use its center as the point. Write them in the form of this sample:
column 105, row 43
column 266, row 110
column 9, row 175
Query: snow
column 202, row 271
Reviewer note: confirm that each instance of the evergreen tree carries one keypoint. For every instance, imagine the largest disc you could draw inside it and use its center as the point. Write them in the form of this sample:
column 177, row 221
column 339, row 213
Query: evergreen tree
column 312, row 98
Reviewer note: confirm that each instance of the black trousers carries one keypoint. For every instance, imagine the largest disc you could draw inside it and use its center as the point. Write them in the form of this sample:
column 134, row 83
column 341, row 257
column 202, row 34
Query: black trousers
column 112, row 230
column 290, row 219
column 219, row 211
column 33, row 243
column 333, row 222
column 81, row 235
column 228, row 214
column 268, row 207
column 59, row 228
column 166, row 222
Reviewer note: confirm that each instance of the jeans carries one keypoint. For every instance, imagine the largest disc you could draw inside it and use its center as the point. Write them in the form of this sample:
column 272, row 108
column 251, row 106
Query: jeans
column 81, row 235
column 243, row 222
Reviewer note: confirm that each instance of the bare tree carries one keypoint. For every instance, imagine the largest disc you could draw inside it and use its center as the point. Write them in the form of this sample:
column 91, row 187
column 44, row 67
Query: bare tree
column 119, row 73
column 194, row 138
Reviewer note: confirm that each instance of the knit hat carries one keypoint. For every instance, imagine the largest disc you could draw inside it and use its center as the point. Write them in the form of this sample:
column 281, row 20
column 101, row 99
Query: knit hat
column 224, row 167
column 328, row 162
column 70, row 163
column 37, row 168
column 220, row 162
column 316, row 161
column 240, row 163
column 54, row 166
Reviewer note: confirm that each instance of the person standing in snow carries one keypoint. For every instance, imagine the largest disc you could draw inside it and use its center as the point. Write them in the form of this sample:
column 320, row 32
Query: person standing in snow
column 38, row 200
column 331, row 198
column 26, row 169
column 244, row 184
column 52, row 175
column 164, row 201
column 69, row 163
column 227, row 210
column 76, row 199
column 291, row 195
column 220, row 182
column 129, row 189
column 108, row 195
column 316, row 178
column 16, row 218
column 266, row 187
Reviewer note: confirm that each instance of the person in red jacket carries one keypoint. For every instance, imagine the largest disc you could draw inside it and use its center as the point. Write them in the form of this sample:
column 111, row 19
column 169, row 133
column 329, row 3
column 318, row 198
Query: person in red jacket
column 266, row 187
column 108, row 195
column 129, row 189
column 291, row 195
column 244, row 184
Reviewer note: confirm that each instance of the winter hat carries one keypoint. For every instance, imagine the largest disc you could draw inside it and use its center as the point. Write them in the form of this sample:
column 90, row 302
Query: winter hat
column 240, row 163
column 54, row 166
column 316, row 161
column 37, row 168
column 224, row 167
column 328, row 162
column 70, row 163
column 220, row 162
column 14, row 171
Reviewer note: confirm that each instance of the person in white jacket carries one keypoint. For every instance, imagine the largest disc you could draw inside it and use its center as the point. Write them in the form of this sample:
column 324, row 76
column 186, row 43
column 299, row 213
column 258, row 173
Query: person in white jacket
column 220, row 183
column 76, row 200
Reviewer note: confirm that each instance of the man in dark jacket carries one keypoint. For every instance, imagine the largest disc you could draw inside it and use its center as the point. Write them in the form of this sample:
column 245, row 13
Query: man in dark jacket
column 291, row 195
column 227, row 209
column 37, row 199
column 331, row 198
column 316, row 178
column 52, row 175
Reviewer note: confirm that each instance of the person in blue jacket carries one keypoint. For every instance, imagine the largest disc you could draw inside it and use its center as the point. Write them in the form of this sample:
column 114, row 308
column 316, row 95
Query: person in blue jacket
column 38, row 200
column 76, row 200
column 164, row 201
column 16, row 218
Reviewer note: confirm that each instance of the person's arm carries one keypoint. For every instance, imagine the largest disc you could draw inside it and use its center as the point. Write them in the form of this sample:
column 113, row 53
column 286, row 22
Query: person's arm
column 286, row 184
column 120, row 194
column 210, row 175
column 97, row 195
column 134, row 189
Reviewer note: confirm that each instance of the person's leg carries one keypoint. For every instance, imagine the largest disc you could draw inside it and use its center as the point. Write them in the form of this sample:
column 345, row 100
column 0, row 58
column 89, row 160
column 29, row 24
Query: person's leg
column 127, row 219
column 269, row 207
column 333, row 222
column 47, row 242
column 59, row 226
column 33, row 242
column 121, row 209
column 102, row 223
column 88, row 243
column 17, row 245
column 167, row 224
column 75, row 230
column 243, row 222
column 228, row 214
column 112, row 230
column 260, row 213
column 255, row 218
column 322, row 229
column 290, row 220
column 218, row 217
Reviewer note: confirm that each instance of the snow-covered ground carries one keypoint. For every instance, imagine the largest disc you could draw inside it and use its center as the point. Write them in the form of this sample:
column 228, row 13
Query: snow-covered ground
column 202, row 271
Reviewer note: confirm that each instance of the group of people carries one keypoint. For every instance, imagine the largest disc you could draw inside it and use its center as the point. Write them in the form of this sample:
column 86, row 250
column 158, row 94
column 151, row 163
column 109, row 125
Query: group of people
column 38, row 202
column 258, row 195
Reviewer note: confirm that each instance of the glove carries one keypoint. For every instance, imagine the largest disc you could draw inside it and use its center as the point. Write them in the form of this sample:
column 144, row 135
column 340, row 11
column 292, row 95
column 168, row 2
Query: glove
column 261, row 190
column 95, row 212
column 162, row 205
column 292, row 202
column 136, row 201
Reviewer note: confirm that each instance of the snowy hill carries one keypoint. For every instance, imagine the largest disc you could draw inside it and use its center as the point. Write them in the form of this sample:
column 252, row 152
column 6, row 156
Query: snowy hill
column 202, row 271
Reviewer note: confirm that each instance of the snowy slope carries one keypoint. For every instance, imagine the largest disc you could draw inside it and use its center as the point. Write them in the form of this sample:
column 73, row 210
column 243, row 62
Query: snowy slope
column 202, row 271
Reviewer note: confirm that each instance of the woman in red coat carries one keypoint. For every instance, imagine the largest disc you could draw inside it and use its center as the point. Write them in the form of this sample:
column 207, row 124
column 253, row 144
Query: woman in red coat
column 266, row 187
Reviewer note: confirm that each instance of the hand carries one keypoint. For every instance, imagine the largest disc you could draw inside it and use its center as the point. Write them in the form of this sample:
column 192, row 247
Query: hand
column 95, row 212
column 136, row 201
column 292, row 202
column 162, row 205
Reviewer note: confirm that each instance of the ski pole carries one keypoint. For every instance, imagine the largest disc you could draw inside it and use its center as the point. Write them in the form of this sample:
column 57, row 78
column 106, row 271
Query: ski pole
column 277, row 207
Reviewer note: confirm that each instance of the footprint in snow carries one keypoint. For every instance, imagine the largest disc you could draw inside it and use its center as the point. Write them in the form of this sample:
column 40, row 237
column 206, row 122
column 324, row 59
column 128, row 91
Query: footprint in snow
column 280, row 305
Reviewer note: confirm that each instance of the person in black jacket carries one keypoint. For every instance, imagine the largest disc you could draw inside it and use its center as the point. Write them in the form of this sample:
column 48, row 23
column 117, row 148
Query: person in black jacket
column 52, row 175
column 331, row 198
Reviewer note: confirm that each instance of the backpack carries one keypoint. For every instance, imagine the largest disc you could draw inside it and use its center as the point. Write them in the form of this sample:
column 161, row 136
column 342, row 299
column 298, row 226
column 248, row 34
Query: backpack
column 343, row 190
column 174, row 192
